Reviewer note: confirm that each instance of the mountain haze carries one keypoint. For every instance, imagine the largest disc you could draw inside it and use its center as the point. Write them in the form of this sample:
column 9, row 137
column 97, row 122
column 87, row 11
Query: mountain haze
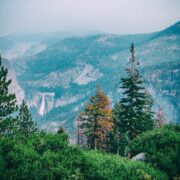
column 57, row 73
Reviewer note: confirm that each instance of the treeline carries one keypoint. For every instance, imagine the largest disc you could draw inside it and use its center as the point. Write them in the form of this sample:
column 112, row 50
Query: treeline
column 46, row 156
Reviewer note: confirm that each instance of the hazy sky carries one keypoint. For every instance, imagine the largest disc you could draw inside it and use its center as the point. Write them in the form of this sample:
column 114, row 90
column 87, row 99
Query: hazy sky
column 115, row 16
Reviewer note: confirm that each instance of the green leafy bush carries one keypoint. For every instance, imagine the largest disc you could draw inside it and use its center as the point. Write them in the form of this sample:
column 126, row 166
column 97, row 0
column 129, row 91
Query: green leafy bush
column 43, row 156
column 162, row 148
column 49, row 156
column 105, row 166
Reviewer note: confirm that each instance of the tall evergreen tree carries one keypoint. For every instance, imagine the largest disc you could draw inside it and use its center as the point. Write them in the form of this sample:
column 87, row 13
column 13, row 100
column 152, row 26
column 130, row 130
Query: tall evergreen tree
column 26, row 124
column 7, row 105
column 96, row 121
column 133, row 113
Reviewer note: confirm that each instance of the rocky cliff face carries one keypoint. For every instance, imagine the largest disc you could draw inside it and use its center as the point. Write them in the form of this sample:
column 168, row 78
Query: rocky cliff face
column 57, row 81
column 14, row 86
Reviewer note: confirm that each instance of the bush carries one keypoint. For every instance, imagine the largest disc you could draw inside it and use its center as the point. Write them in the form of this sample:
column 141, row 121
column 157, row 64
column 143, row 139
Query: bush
column 43, row 156
column 104, row 166
column 49, row 156
column 162, row 148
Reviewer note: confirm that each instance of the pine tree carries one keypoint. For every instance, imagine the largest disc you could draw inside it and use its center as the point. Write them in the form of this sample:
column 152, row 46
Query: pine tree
column 26, row 124
column 7, row 105
column 96, row 121
column 133, row 113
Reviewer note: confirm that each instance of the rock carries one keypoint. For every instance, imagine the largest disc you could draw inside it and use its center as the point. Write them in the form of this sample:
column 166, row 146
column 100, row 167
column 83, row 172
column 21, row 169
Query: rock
column 139, row 157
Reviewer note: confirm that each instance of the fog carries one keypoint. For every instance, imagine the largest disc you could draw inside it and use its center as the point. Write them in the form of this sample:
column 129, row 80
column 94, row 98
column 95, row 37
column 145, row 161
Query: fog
column 113, row 16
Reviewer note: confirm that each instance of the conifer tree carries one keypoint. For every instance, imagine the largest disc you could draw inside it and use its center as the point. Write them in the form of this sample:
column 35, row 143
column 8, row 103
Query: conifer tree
column 133, row 113
column 7, row 105
column 96, row 121
column 26, row 124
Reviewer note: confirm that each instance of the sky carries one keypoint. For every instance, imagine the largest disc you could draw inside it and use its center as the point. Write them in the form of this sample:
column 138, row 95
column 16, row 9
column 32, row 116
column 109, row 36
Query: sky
column 113, row 16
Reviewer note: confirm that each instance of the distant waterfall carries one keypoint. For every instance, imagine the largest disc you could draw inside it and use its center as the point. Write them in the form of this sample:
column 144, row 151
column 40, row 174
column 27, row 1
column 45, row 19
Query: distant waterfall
column 42, row 107
column 47, row 103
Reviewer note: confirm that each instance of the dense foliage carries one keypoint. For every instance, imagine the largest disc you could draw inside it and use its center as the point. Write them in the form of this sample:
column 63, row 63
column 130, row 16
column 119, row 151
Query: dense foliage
column 48, row 156
column 162, row 148
column 103, row 166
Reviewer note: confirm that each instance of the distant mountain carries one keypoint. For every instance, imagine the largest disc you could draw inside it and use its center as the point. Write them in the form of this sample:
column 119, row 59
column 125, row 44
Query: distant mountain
column 22, row 44
column 59, row 79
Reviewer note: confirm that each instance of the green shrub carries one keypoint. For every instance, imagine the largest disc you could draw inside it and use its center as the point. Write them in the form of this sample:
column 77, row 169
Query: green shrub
column 43, row 156
column 49, row 156
column 162, row 148
column 105, row 166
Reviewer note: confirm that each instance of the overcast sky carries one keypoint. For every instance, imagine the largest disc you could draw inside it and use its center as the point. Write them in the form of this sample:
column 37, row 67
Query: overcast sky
column 114, row 16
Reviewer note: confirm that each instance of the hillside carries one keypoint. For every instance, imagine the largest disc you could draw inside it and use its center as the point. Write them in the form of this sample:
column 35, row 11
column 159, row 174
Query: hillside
column 61, row 77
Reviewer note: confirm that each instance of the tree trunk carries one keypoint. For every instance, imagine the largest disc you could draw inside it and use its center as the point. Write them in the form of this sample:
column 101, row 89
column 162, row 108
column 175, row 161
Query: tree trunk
column 118, row 151
column 129, row 155
column 95, row 144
